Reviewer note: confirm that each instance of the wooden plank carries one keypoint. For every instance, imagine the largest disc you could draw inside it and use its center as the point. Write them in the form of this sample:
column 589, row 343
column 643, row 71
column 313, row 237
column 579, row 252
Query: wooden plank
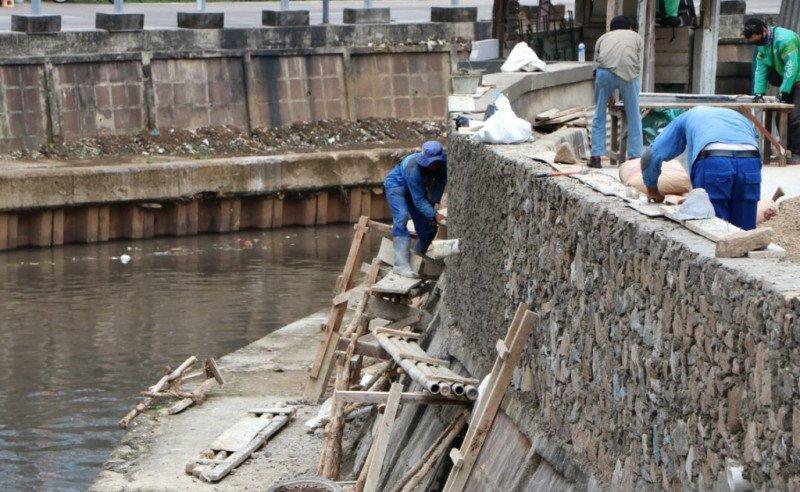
column 220, row 471
column 766, row 133
column 377, row 397
column 738, row 244
column 707, row 38
column 397, row 333
column 489, row 404
column 239, row 435
column 382, row 437
column 364, row 348
column 392, row 311
column 393, row 283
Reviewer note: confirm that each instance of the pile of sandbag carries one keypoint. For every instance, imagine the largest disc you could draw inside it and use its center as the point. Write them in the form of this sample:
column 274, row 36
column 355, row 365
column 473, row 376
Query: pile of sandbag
column 674, row 180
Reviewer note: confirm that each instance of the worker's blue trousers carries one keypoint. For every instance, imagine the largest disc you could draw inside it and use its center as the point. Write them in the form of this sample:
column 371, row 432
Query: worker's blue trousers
column 402, row 207
column 734, row 186
column 605, row 83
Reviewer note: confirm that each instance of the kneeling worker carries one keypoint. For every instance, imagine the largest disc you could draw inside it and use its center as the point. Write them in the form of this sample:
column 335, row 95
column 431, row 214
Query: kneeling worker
column 413, row 189
column 722, row 158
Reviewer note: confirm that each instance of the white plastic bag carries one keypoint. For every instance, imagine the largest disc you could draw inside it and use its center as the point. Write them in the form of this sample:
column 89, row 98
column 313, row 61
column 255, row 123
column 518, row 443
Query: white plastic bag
column 523, row 58
column 504, row 127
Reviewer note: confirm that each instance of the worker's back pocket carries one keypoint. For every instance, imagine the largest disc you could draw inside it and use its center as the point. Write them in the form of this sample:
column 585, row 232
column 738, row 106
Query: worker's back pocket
column 751, row 188
column 718, row 185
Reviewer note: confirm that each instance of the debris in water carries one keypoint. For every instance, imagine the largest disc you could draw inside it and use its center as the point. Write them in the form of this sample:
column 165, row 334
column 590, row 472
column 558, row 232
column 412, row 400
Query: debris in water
column 125, row 259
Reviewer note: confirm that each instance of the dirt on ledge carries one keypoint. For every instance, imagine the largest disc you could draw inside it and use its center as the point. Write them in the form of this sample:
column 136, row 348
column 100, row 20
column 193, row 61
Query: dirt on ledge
column 222, row 141
column 786, row 227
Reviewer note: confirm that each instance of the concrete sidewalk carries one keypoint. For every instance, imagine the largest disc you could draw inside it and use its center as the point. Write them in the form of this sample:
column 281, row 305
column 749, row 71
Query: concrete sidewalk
column 154, row 452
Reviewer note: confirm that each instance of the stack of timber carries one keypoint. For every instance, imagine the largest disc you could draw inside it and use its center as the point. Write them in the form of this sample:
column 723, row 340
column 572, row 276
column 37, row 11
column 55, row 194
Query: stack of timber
column 553, row 119
column 169, row 386
column 231, row 448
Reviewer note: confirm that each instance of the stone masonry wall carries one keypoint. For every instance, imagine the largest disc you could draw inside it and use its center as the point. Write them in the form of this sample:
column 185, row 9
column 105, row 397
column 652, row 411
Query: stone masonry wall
column 86, row 98
column 655, row 363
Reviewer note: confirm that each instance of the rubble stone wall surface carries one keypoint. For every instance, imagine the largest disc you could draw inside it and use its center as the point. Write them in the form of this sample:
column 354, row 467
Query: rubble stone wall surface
column 655, row 363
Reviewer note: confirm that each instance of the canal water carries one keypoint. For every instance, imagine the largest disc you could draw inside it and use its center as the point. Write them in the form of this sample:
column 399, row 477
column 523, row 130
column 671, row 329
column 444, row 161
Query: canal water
column 81, row 332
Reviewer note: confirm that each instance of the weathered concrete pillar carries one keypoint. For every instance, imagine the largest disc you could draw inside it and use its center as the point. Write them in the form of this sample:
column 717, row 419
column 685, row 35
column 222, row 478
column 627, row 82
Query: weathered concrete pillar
column 248, row 78
column 201, row 20
column 285, row 18
column 36, row 24
column 367, row 16
column 454, row 14
column 54, row 131
column 119, row 22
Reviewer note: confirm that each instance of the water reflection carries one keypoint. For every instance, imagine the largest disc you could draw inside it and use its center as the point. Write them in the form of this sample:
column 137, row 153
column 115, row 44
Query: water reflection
column 81, row 333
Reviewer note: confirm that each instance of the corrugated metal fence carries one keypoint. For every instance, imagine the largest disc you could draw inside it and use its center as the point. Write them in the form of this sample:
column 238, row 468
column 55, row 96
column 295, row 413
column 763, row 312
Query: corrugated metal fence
column 790, row 15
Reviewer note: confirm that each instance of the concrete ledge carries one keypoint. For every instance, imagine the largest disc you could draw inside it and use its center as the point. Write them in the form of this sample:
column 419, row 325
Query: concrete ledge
column 454, row 14
column 36, row 24
column 285, row 17
column 201, row 20
column 119, row 22
column 39, row 187
column 366, row 16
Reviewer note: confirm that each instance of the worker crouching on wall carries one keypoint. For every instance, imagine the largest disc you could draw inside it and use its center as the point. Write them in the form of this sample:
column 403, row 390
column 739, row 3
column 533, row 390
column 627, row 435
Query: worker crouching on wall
column 414, row 188
column 722, row 157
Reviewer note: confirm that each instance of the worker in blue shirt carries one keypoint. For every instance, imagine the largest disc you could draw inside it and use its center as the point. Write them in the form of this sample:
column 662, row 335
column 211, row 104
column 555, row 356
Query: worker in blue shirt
column 722, row 156
column 413, row 189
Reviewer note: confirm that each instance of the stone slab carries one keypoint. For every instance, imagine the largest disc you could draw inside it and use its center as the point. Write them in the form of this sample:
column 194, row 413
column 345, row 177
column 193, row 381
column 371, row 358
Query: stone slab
column 454, row 14
column 36, row 24
column 366, row 16
column 285, row 18
column 201, row 20
column 119, row 22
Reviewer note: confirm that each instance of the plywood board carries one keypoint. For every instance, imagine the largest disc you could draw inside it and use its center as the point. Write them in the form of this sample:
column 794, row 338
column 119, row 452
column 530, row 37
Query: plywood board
column 393, row 283
column 240, row 434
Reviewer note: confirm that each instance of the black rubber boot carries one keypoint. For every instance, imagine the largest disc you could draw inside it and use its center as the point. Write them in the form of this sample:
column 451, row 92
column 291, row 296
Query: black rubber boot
column 594, row 162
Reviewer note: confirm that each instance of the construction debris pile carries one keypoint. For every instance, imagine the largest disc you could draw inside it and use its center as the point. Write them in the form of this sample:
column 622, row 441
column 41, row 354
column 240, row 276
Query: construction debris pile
column 786, row 227
column 553, row 119
column 231, row 141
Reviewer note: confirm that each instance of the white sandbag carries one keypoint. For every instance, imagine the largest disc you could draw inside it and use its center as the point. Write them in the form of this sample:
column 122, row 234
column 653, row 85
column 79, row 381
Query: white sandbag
column 504, row 127
column 523, row 58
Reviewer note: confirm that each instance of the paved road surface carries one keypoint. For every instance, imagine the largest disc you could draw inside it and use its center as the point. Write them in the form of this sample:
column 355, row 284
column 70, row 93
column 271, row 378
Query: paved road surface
column 246, row 14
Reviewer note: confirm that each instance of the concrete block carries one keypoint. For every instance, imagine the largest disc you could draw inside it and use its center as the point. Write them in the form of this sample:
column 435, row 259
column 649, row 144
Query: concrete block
column 284, row 18
column 201, row 20
column 454, row 14
column 730, row 7
column 366, row 16
column 36, row 24
column 119, row 22
column 485, row 49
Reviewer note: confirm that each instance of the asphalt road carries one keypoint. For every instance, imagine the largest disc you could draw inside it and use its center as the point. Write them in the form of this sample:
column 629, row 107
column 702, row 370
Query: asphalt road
column 246, row 14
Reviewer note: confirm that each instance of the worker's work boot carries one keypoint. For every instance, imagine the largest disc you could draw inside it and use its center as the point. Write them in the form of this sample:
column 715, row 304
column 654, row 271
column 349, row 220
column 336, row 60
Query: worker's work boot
column 402, row 257
column 595, row 162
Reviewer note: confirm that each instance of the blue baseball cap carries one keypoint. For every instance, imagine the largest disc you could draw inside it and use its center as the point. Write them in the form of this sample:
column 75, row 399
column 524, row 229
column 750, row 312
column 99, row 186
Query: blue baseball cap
column 431, row 152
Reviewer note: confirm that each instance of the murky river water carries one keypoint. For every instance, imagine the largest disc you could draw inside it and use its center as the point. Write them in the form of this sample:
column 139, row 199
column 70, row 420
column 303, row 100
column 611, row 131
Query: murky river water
column 81, row 333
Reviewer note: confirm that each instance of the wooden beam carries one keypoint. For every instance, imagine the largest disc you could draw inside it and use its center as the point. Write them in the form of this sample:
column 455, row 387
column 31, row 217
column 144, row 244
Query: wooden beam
column 646, row 18
column 760, row 127
column 364, row 348
column 489, row 403
column 382, row 437
column 706, row 39
column 374, row 397
column 397, row 333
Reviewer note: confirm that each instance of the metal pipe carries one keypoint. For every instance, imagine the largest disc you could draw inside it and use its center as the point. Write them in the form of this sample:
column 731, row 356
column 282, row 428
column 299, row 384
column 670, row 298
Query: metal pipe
column 118, row 6
column 458, row 389
column 326, row 11
column 471, row 392
column 284, row 4
column 201, row 5
column 410, row 367
column 36, row 7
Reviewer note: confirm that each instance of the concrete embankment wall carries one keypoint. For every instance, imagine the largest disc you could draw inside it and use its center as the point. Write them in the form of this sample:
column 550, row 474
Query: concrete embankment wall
column 53, row 206
column 655, row 364
column 79, row 84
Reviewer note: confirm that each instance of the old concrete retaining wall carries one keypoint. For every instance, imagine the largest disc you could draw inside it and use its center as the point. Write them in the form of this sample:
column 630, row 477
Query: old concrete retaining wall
column 79, row 84
column 656, row 363
column 86, row 204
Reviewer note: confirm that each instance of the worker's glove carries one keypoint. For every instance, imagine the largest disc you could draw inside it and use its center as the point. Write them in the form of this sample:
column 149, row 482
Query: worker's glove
column 758, row 98
column 785, row 97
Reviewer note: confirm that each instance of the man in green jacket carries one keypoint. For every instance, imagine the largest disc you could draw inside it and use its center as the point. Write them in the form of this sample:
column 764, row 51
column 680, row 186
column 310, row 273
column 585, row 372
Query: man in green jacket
column 777, row 62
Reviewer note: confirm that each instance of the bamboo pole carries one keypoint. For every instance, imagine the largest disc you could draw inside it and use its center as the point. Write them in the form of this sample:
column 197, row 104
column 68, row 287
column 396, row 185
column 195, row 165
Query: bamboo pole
column 409, row 366
column 156, row 388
